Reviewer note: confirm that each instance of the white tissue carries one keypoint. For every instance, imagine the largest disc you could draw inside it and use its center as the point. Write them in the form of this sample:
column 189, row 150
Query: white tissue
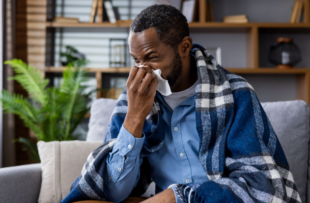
column 163, row 85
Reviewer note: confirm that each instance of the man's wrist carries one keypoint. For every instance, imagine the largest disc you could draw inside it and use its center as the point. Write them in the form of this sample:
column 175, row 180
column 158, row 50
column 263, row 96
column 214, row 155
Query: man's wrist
column 128, row 145
column 177, row 198
column 173, row 198
column 134, row 125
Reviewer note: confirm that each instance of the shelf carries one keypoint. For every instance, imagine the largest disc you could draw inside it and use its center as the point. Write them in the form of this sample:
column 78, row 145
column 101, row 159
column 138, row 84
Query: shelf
column 126, row 24
column 293, row 71
column 105, row 24
column 91, row 70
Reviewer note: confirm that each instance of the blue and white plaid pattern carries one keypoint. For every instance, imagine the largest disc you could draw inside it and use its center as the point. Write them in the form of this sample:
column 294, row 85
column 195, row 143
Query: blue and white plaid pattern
column 239, row 150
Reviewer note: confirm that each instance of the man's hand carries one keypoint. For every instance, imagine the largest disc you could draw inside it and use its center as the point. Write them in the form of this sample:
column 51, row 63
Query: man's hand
column 166, row 196
column 141, row 89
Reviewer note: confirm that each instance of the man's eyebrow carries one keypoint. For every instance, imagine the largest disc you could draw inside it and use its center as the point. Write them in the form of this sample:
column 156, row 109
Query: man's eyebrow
column 151, row 52
column 146, row 55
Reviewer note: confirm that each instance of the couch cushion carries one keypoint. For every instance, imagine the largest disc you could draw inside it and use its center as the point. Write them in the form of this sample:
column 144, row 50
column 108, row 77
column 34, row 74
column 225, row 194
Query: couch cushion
column 100, row 111
column 290, row 120
column 20, row 183
column 62, row 163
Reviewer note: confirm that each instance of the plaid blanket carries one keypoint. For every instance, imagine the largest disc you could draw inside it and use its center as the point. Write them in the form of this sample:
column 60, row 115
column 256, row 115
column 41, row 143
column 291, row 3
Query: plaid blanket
column 239, row 149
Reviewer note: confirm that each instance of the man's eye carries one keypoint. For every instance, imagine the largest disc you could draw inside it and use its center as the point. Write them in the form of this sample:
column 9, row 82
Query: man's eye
column 153, row 57
column 136, row 60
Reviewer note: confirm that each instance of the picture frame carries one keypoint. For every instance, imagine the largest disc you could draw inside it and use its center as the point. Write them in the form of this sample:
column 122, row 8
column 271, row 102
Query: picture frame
column 118, row 52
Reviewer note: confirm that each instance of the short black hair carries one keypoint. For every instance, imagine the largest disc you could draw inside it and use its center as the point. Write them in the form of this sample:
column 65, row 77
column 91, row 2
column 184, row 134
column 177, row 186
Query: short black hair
column 170, row 24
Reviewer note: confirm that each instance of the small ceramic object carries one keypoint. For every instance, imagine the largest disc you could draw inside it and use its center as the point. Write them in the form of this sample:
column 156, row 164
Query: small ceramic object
column 285, row 54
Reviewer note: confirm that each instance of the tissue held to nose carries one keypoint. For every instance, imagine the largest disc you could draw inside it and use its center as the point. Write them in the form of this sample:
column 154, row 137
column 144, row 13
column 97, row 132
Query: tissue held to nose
column 163, row 85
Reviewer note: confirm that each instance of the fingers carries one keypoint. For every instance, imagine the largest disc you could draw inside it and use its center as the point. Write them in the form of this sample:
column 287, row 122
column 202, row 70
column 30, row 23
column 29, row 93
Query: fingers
column 153, row 86
column 141, row 74
column 146, row 82
column 140, row 79
column 132, row 73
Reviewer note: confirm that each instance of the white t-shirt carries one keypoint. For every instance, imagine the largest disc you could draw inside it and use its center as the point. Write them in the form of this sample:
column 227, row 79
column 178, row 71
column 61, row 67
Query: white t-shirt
column 177, row 98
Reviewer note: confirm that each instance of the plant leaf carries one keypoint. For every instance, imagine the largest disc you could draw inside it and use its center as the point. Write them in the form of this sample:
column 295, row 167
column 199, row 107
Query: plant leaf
column 31, row 80
column 16, row 104
column 30, row 148
column 71, row 89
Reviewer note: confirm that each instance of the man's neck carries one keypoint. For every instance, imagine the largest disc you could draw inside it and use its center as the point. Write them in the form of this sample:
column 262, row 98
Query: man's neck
column 188, row 76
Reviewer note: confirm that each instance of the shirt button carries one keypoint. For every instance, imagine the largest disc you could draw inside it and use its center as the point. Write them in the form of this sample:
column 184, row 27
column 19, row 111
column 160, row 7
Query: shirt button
column 129, row 146
column 181, row 155
column 176, row 128
column 119, row 169
column 187, row 181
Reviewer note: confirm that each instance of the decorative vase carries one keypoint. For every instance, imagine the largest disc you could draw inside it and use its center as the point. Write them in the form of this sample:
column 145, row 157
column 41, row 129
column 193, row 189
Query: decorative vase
column 285, row 54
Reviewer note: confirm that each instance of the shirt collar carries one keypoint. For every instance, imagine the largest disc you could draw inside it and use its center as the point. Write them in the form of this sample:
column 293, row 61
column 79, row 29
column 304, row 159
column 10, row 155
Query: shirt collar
column 188, row 102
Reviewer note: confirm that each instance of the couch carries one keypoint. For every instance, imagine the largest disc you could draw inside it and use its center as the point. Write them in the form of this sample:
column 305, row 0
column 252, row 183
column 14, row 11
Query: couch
column 290, row 120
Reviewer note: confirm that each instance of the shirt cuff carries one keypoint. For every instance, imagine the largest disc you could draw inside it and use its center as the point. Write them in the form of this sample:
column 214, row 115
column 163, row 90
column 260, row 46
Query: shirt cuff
column 128, row 145
column 177, row 198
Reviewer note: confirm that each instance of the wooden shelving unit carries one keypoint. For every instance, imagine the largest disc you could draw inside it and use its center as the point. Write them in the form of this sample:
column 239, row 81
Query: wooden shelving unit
column 40, row 34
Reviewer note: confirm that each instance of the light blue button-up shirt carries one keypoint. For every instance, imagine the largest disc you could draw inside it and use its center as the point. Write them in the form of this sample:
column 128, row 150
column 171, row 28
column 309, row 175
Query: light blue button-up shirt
column 177, row 161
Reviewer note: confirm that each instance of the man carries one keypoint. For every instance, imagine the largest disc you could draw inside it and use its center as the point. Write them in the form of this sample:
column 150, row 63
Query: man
column 209, row 141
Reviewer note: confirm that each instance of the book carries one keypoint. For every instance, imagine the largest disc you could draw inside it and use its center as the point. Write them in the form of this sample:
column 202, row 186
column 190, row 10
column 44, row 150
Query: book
column 109, row 10
column 235, row 19
column 210, row 16
column 116, row 12
column 105, row 15
column 93, row 11
column 189, row 10
column 66, row 20
column 100, row 11
column 207, row 11
column 202, row 11
column 299, row 11
column 294, row 12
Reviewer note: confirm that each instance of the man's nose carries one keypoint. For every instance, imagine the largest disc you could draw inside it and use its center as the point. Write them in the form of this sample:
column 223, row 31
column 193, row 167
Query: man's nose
column 143, row 63
column 146, row 67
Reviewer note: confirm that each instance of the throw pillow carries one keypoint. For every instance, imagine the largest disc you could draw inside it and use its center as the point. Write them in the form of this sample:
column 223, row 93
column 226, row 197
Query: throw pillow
column 61, row 164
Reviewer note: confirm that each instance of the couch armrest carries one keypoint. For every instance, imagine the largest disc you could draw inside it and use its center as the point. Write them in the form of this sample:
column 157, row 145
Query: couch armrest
column 20, row 183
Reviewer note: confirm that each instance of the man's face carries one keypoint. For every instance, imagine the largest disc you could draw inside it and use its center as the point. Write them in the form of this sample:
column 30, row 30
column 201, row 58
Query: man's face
column 147, row 49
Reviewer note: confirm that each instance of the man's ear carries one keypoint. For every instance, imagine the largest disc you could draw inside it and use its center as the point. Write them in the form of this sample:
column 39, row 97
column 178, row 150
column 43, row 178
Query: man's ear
column 185, row 46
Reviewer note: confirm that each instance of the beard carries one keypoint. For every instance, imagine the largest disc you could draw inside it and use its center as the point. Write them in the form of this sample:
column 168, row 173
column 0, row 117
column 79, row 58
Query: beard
column 176, row 70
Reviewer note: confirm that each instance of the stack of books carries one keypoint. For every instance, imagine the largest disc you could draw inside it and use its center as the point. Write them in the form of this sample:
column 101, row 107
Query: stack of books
column 105, row 11
column 195, row 10
column 297, row 11
column 236, row 19
column 66, row 20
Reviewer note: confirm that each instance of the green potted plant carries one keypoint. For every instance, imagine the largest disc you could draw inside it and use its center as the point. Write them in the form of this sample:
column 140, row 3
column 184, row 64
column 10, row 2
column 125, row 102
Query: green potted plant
column 73, row 56
column 51, row 113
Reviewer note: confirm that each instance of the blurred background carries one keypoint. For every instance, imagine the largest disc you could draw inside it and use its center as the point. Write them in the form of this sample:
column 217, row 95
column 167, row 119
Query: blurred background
column 266, row 42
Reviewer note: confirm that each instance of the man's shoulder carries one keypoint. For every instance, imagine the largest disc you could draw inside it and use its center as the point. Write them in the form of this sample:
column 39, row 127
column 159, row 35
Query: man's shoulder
column 238, row 83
